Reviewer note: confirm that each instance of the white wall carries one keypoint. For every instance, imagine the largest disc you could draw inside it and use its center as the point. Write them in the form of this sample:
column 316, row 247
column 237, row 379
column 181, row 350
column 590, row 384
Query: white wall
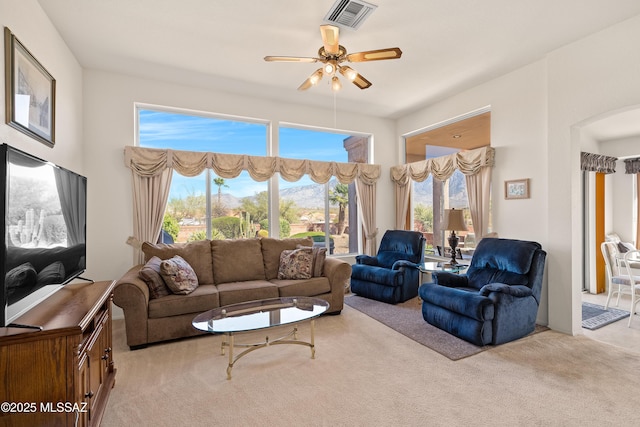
column 32, row 27
column 587, row 79
column 109, row 126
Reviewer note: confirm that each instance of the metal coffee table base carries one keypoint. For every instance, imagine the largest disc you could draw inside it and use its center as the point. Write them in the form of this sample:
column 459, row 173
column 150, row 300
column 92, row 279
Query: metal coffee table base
column 229, row 341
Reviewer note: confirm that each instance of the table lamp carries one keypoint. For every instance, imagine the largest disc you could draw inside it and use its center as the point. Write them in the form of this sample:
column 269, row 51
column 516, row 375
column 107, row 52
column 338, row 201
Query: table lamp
column 454, row 221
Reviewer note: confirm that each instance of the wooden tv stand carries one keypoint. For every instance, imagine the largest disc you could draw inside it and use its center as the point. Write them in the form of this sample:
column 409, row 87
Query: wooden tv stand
column 61, row 375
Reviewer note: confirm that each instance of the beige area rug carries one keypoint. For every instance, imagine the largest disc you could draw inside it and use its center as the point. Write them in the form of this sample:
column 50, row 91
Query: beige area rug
column 407, row 319
column 366, row 374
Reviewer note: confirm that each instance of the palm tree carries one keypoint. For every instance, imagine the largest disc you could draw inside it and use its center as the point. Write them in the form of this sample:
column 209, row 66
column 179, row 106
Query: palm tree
column 220, row 183
column 340, row 196
column 219, row 209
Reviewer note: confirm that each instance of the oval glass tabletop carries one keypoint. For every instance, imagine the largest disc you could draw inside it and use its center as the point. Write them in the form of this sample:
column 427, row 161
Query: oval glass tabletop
column 252, row 315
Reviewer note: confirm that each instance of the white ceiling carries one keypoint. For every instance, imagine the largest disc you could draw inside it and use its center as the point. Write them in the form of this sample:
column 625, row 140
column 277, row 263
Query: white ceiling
column 448, row 46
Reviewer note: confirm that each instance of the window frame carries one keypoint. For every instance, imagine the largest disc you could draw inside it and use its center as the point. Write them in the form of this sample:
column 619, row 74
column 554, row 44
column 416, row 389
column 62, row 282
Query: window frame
column 272, row 148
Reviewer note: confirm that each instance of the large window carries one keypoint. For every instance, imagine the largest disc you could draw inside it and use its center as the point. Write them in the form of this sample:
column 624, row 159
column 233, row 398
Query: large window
column 208, row 206
column 311, row 209
column 431, row 197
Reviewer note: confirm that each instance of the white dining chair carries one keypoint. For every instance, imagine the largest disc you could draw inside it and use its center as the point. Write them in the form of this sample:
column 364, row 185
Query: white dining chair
column 631, row 258
column 617, row 279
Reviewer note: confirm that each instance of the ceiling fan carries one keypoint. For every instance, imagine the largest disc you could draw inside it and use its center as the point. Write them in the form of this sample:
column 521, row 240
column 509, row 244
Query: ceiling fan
column 332, row 55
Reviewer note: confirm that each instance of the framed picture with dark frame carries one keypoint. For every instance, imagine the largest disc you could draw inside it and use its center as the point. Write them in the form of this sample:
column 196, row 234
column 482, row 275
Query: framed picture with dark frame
column 30, row 92
column 516, row 189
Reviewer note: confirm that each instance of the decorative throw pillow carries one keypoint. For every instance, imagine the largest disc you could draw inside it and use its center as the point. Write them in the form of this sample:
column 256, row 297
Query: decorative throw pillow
column 150, row 273
column 319, row 255
column 295, row 264
column 178, row 275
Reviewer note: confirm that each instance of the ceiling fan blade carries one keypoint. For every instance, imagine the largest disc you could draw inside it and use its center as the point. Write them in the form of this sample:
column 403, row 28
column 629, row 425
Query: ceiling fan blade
column 361, row 82
column 289, row 59
column 375, row 55
column 330, row 39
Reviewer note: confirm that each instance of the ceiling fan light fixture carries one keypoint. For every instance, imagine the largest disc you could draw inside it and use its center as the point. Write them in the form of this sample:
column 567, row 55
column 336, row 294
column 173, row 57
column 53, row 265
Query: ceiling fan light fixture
column 330, row 67
column 335, row 84
column 316, row 77
column 348, row 72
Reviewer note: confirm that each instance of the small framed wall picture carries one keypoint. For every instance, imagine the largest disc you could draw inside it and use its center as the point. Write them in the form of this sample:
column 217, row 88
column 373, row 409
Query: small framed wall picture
column 516, row 189
column 30, row 92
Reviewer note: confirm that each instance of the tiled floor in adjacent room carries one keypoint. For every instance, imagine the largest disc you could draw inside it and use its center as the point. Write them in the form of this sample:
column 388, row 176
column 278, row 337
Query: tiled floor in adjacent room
column 616, row 333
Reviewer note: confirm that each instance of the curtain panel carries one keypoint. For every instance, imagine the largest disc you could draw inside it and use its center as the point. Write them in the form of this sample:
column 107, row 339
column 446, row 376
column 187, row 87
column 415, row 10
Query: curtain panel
column 632, row 166
column 597, row 163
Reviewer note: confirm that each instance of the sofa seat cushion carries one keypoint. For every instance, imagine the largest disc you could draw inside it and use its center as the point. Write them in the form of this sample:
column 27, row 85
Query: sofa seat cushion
column 203, row 298
column 272, row 248
column 306, row 287
column 250, row 290
column 197, row 254
column 237, row 260
column 379, row 275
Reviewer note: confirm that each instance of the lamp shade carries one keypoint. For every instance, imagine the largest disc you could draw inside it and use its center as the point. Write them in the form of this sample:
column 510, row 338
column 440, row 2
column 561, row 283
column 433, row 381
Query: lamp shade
column 454, row 220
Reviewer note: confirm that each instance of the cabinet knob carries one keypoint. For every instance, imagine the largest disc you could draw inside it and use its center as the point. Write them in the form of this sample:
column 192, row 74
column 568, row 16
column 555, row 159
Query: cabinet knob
column 107, row 350
column 105, row 357
column 89, row 394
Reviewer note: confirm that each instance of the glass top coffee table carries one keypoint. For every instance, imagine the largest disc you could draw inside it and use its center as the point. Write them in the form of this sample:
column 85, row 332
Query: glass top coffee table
column 429, row 267
column 261, row 314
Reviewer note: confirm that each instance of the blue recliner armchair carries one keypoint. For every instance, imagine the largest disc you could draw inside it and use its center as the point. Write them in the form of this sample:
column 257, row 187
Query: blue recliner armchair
column 496, row 301
column 392, row 276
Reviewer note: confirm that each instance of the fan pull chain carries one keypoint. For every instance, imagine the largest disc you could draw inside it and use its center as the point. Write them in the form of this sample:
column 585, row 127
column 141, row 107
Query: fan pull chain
column 335, row 116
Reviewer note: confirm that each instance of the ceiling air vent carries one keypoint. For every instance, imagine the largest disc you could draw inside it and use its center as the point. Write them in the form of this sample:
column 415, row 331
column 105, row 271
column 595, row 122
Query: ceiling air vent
column 349, row 13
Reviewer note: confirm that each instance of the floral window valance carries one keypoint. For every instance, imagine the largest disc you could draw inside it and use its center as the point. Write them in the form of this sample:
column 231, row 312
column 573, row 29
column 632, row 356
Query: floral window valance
column 147, row 162
column 597, row 163
column 468, row 162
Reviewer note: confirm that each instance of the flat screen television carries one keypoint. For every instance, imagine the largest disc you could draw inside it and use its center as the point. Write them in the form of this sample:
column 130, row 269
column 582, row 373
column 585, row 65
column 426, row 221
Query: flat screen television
column 43, row 221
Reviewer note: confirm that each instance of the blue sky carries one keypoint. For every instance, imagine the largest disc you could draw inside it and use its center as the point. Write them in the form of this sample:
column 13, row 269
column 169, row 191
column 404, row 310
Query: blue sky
column 159, row 129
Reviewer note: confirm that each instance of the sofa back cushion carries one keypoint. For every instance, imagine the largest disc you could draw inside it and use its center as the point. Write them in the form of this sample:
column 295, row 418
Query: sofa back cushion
column 272, row 248
column 197, row 254
column 237, row 260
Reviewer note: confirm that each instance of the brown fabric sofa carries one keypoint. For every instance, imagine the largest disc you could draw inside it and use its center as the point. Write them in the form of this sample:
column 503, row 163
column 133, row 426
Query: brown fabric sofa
column 228, row 272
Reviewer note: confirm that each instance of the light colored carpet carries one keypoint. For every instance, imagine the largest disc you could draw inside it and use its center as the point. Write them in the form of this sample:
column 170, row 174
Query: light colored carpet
column 366, row 374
